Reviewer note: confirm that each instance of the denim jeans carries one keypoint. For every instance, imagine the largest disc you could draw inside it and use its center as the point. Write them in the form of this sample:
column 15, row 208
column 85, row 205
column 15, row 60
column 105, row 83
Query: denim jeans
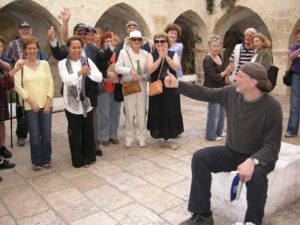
column 293, row 124
column 215, row 121
column 109, row 116
column 39, row 127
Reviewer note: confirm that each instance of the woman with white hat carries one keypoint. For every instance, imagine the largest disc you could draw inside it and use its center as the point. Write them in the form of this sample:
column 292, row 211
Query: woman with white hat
column 132, row 65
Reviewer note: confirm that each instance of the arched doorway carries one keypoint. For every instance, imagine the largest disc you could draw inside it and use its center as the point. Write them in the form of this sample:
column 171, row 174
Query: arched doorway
column 41, row 20
column 232, row 26
column 194, row 34
column 121, row 13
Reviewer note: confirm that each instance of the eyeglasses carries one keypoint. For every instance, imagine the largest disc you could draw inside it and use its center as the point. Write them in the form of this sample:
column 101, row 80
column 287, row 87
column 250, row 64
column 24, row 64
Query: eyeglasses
column 136, row 39
column 160, row 41
column 81, row 33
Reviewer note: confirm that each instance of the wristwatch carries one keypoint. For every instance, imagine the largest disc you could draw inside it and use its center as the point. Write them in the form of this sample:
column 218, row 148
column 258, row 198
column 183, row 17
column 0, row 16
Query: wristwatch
column 255, row 160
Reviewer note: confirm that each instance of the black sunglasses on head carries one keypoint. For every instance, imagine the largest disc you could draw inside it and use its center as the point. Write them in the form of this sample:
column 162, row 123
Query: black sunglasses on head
column 160, row 41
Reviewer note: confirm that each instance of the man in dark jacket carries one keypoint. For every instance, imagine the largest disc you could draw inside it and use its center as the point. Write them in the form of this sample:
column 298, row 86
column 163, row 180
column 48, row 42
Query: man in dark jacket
column 254, row 128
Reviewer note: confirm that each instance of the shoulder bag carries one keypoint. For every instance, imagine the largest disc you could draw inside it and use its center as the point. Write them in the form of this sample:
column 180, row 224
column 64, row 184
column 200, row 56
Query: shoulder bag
column 132, row 86
column 155, row 88
column 287, row 78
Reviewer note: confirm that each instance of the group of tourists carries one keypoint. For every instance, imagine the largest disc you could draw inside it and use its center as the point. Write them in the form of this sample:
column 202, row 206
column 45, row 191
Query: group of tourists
column 94, row 66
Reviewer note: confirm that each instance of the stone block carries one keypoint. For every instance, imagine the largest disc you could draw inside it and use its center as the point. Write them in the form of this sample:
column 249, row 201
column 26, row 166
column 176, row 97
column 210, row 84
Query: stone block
column 283, row 187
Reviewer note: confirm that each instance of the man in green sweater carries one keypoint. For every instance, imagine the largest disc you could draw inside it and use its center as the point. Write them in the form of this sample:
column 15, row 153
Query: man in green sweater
column 254, row 128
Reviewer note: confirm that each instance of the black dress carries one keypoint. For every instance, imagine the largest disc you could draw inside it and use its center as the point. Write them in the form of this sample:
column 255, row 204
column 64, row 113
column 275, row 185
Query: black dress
column 164, row 114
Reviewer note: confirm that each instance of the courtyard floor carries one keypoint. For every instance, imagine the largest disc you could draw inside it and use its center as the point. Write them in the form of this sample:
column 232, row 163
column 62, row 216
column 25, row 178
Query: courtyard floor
column 126, row 186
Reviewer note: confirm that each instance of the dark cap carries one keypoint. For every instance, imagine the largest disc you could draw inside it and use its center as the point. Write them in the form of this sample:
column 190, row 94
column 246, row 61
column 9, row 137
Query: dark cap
column 24, row 24
column 130, row 23
column 90, row 28
column 80, row 26
column 255, row 70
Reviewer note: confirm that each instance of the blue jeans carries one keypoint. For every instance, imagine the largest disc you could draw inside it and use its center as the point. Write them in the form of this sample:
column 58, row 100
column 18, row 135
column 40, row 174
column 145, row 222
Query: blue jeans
column 215, row 121
column 39, row 127
column 109, row 116
column 293, row 124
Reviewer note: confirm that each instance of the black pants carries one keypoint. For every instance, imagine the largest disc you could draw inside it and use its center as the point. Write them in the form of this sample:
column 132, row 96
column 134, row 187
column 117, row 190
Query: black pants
column 81, row 138
column 22, row 129
column 222, row 159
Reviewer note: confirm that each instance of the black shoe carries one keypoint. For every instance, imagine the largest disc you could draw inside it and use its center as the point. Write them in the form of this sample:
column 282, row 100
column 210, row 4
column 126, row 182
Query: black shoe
column 99, row 152
column 5, row 153
column 37, row 167
column 1, row 179
column 6, row 165
column 198, row 219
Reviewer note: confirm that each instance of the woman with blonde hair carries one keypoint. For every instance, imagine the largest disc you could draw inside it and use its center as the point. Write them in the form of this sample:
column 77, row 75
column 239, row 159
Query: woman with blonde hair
column 263, row 52
column 214, row 77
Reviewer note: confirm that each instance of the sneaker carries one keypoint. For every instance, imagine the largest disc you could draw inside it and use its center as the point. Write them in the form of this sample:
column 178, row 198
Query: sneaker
column 128, row 144
column 289, row 135
column 105, row 143
column 47, row 165
column 142, row 144
column 198, row 219
column 6, row 164
column 223, row 134
column 5, row 153
column 37, row 167
column 114, row 141
column 21, row 141
column 218, row 139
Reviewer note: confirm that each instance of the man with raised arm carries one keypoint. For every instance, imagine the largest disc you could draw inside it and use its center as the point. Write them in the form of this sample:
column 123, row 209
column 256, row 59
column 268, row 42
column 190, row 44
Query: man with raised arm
column 254, row 128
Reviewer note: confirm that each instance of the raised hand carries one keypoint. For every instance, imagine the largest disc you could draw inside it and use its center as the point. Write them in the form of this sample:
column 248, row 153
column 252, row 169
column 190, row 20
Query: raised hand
column 20, row 63
column 65, row 14
column 170, row 81
column 51, row 33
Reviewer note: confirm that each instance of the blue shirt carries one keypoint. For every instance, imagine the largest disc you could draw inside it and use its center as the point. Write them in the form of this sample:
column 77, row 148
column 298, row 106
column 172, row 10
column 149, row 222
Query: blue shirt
column 178, row 47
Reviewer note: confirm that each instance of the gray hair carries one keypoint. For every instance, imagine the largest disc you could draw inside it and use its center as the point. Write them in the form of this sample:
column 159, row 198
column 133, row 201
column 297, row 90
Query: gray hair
column 251, row 29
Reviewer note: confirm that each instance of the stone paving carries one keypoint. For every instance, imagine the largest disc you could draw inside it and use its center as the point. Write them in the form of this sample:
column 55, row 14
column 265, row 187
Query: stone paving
column 126, row 186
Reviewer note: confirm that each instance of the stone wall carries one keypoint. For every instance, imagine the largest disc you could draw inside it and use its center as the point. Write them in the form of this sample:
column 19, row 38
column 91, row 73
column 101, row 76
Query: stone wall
column 275, row 18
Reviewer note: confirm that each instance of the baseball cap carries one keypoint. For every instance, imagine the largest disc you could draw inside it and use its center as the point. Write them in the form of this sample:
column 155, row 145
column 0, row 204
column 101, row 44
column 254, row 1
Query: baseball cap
column 24, row 24
column 90, row 28
column 80, row 26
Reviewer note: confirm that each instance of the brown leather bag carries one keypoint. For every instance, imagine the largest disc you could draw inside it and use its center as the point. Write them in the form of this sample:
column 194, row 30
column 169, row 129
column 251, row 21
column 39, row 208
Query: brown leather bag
column 132, row 86
column 155, row 87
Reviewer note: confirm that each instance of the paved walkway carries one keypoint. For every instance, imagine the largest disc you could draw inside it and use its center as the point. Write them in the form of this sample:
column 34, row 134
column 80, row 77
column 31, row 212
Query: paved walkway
column 126, row 186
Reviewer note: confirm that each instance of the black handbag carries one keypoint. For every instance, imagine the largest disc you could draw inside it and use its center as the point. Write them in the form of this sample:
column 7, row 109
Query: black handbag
column 118, row 92
column 287, row 78
column 272, row 75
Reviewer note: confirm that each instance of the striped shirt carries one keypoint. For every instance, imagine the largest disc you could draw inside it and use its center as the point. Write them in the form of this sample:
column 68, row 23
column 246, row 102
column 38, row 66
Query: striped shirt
column 245, row 56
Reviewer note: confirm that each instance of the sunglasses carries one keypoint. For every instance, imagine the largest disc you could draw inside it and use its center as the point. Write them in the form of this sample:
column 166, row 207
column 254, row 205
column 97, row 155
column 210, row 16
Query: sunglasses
column 81, row 33
column 136, row 39
column 160, row 41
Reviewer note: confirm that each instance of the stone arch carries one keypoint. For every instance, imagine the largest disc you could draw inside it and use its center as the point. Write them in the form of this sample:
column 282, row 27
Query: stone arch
column 194, row 33
column 231, row 27
column 121, row 13
column 41, row 20
column 39, row 17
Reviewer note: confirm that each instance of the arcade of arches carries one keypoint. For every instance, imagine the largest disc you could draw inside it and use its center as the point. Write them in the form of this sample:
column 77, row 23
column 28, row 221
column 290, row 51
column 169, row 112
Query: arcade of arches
column 276, row 19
